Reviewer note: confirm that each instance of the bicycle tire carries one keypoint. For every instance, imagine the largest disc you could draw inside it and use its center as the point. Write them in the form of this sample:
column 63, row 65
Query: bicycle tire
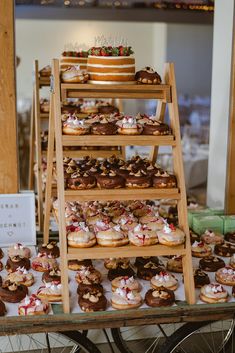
column 47, row 342
column 84, row 343
column 184, row 333
column 150, row 342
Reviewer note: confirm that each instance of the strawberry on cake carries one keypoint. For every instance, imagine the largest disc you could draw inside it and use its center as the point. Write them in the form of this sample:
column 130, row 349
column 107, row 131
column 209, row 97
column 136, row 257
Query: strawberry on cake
column 111, row 64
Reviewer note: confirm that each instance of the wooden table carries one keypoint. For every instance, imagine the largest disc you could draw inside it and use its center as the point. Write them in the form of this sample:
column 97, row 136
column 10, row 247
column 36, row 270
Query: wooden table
column 65, row 322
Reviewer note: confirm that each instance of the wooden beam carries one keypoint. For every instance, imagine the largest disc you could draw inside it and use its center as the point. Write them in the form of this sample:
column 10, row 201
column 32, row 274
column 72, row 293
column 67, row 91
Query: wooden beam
column 230, row 180
column 111, row 14
column 8, row 145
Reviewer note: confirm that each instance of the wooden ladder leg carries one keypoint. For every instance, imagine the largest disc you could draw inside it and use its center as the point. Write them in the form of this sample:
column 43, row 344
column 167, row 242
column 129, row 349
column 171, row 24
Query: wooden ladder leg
column 160, row 113
column 38, row 147
column 179, row 172
column 32, row 145
column 60, row 186
column 50, row 155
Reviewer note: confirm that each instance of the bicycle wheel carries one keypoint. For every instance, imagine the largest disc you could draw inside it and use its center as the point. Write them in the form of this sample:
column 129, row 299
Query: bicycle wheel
column 202, row 337
column 144, row 338
column 66, row 342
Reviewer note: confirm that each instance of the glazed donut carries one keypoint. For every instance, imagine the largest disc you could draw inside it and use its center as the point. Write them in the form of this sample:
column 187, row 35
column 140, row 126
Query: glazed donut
column 226, row 276
column 74, row 126
column 210, row 237
column 43, row 263
column 213, row 293
column 51, row 291
column 164, row 279
column 113, row 263
column 76, row 265
column 21, row 276
column 19, row 250
column 159, row 297
column 175, row 264
column 88, row 275
column 112, row 236
column 80, row 236
column 200, row 249
column 141, row 235
column 170, row 235
column 124, row 298
column 33, row 306
column 125, row 282
column 129, row 126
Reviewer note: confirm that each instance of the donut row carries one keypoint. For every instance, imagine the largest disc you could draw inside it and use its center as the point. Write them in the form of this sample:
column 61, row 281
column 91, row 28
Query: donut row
column 116, row 224
column 112, row 124
column 115, row 173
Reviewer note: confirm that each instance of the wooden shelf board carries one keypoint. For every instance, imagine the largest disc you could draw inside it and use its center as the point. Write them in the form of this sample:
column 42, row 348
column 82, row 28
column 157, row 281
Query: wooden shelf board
column 135, row 91
column 121, row 194
column 118, row 140
column 84, row 153
column 44, row 115
column 99, row 252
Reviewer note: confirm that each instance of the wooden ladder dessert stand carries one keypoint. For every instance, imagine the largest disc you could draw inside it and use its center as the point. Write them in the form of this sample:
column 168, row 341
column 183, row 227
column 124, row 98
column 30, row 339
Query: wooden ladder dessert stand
column 36, row 152
column 166, row 95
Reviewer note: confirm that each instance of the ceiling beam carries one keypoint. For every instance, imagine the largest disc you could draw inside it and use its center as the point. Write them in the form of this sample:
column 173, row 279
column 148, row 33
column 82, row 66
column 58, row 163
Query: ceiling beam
column 107, row 14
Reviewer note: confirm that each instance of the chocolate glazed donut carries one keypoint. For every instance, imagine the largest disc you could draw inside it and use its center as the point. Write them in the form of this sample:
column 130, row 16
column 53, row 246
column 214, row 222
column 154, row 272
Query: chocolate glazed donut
column 141, row 261
column 16, row 261
column 13, row 293
column 84, row 288
column 156, row 128
column 230, row 237
column 225, row 249
column 107, row 128
column 110, row 180
column 51, row 276
column 211, row 263
column 159, row 297
column 107, row 109
column 200, row 278
column 50, row 249
column 81, row 181
column 120, row 271
column 92, row 301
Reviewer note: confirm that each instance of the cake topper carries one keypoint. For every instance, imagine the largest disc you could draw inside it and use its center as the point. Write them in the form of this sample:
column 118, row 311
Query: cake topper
column 102, row 41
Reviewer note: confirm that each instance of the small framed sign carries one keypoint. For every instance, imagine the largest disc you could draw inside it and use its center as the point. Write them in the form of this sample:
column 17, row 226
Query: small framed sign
column 17, row 219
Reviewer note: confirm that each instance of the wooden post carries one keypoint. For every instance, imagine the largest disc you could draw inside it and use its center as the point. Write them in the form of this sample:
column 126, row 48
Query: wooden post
column 8, row 146
column 32, row 146
column 230, row 180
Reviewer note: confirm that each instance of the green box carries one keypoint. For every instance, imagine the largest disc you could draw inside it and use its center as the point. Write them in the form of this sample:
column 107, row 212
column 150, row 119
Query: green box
column 196, row 212
column 202, row 223
column 229, row 223
column 217, row 211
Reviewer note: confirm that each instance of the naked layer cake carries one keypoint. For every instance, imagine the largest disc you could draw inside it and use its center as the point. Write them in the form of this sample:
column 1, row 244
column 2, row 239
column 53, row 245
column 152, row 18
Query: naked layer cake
column 111, row 64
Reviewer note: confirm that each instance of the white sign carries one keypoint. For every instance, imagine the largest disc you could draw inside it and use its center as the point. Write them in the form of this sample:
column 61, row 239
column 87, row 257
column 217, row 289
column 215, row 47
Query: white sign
column 17, row 219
